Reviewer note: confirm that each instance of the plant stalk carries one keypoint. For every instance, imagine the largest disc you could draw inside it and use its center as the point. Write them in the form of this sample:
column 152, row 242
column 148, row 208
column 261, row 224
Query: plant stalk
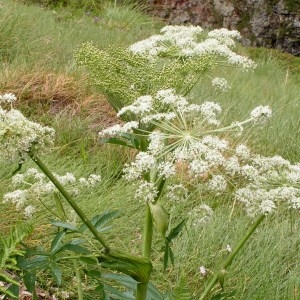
column 141, row 291
column 147, row 234
column 231, row 257
column 78, row 280
column 69, row 199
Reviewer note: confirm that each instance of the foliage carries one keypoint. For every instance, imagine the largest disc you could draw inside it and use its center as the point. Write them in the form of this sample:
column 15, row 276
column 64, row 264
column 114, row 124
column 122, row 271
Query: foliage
column 9, row 251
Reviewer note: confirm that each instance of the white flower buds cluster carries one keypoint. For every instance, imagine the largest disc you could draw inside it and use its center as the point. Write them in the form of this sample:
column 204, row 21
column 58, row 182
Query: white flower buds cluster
column 18, row 135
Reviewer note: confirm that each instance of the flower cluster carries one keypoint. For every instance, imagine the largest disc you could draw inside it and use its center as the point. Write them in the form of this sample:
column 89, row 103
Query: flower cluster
column 191, row 41
column 187, row 142
column 32, row 186
column 220, row 84
column 18, row 135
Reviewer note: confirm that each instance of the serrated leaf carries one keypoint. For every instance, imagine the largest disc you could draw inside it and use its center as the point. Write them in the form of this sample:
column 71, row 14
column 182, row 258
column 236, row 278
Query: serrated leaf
column 99, row 221
column 29, row 279
column 128, row 282
column 104, row 295
column 122, row 279
column 176, row 230
column 75, row 248
column 8, row 279
column 57, row 241
column 89, row 260
column 39, row 261
column 118, row 295
column 93, row 273
column 154, row 293
column 56, row 272
column 168, row 255
column 59, row 206
column 12, row 291
column 64, row 225
column 181, row 292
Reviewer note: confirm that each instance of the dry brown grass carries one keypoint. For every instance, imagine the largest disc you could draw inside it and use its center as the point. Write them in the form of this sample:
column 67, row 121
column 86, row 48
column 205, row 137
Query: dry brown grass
column 41, row 92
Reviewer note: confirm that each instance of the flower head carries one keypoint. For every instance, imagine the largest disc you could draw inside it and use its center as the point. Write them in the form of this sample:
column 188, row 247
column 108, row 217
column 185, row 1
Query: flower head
column 18, row 135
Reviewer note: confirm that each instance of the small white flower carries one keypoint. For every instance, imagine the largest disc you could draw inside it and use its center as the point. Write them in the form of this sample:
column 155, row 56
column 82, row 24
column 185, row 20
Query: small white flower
column 146, row 192
column 261, row 114
column 210, row 111
column 228, row 248
column 242, row 151
column 177, row 192
column 267, row 206
column 8, row 97
column 28, row 211
column 166, row 169
column 203, row 271
column 217, row 184
column 220, row 84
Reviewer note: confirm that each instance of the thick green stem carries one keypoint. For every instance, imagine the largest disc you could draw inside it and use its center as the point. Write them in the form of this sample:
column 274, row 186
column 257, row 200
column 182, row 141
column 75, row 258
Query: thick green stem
column 147, row 234
column 141, row 291
column 72, row 203
column 231, row 257
column 78, row 280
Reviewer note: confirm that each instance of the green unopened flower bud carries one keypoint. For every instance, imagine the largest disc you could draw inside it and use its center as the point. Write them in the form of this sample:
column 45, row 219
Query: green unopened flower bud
column 221, row 277
column 160, row 218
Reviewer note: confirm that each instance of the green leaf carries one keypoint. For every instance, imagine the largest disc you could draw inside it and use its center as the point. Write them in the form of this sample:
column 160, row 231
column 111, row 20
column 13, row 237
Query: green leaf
column 8, row 279
column 176, row 230
column 89, row 260
column 153, row 293
column 75, row 248
column 118, row 295
column 181, row 292
column 12, row 291
column 168, row 256
column 122, row 279
column 93, row 273
column 128, row 282
column 105, row 218
column 99, row 221
column 103, row 294
column 64, row 225
column 38, row 261
column 59, row 206
column 57, row 241
column 56, row 272
column 29, row 279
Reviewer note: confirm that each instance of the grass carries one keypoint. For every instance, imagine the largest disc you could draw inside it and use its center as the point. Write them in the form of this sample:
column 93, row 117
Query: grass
column 37, row 64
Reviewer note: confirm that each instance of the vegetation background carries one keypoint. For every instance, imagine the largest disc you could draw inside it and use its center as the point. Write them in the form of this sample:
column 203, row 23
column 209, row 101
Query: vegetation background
column 38, row 39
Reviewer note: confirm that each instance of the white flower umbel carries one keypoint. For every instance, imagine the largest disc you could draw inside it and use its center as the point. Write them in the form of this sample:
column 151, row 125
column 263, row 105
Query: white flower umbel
column 119, row 129
column 261, row 114
column 188, row 147
column 18, row 135
column 200, row 215
column 33, row 187
column 220, row 84
column 146, row 192
column 192, row 41
column 185, row 142
column 8, row 98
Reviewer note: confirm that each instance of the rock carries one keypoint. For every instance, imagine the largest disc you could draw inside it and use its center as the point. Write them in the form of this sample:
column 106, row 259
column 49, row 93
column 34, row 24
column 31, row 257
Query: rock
column 261, row 23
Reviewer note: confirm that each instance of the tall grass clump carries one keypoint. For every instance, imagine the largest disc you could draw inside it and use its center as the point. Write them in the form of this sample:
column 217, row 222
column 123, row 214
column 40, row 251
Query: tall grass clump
column 197, row 184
